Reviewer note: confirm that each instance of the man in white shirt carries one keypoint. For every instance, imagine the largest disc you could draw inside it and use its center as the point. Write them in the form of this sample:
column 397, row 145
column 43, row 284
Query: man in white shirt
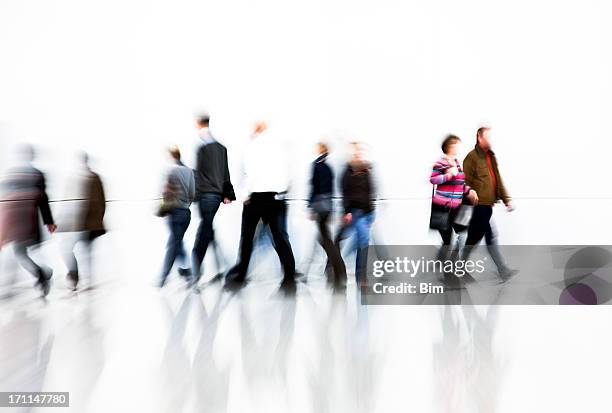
column 266, row 183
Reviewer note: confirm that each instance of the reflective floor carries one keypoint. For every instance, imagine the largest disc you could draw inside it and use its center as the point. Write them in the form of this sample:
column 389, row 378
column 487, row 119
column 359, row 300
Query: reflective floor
column 136, row 348
column 127, row 346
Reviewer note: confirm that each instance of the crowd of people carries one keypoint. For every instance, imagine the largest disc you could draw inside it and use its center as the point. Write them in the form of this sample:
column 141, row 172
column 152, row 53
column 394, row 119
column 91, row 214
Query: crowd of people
column 461, row 210
column 264, row 202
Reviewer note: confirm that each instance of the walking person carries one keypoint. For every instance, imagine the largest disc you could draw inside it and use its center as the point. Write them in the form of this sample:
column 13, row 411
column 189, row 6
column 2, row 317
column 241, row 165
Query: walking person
column 24, row 198
column 321, row 204
column 450, row 191
column 266, row 173
column 86, row 220
column 358, row 195
column 213, row 187
column 179, row 193
column 482, row 175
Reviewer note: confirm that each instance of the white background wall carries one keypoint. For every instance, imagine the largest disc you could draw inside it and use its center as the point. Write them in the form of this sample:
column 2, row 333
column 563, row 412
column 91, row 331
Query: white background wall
column 122, row 79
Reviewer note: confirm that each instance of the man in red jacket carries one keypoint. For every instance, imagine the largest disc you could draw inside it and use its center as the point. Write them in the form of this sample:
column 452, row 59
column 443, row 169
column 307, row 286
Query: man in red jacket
column 23, row 198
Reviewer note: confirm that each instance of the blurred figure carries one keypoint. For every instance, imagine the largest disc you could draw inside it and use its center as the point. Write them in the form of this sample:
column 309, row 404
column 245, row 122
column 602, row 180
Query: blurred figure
column 86, row 220
column 321, row 203
column 358, row 194
column 180, row 188
column 24, row 197
column 449, row 179
column 482, row 175
column 266, row 185
column 213, row 186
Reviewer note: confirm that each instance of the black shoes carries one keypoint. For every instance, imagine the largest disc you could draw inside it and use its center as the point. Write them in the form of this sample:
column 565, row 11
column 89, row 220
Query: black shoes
column 73, row 279
column 288, row 286
column 44, row 281
column 234, row 283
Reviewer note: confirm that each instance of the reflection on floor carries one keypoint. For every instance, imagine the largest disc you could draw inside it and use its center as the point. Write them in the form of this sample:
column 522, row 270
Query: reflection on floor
column 130, row 347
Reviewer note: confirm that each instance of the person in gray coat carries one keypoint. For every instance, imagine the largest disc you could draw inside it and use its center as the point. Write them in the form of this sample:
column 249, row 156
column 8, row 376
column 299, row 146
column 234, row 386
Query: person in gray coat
column 180, row 188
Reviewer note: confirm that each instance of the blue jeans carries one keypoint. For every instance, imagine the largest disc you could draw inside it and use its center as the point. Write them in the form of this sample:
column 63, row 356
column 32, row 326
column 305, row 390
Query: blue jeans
column 178, row 221
column 208, row 205
column 361, row 224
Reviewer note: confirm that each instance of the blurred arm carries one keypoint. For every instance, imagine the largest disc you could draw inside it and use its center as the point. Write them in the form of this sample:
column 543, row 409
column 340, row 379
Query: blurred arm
column 43, row 203
column 313, row 183
column 228, row 188
column 503, row 193
column 438, row 176
column 468, row 171
column 345, row 200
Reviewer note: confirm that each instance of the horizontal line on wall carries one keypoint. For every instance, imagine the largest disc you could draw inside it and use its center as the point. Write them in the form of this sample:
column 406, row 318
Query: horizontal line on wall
column 335, row 199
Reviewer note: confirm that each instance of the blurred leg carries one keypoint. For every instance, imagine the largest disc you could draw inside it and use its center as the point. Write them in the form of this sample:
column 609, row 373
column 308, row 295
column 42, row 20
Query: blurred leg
column 479, row 225
column 493, row 248
column 363, row 225
column 342, row 234
column 332, row 251
column 208, row 207
column 21, row 254
column 71, row 241
column 178, row 223
column 250, row 219
column 70, row 260
column 275, row 216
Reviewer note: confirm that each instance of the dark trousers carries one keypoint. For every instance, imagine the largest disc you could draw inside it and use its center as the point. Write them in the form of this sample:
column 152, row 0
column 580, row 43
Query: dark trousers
column 333, row 252
column 178, row 221
column 263, row 206
column 208, row 205
column 480, row 226
column 447, row 236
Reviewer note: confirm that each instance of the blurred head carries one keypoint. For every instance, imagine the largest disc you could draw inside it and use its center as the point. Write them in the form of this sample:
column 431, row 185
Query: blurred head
column 450, row 145
column 356, row 152
column 202, row 121
column 259, row 127
column 25, row 153
column 84, row 159
column 322, row 148
column 482, row 138
column 174, row 153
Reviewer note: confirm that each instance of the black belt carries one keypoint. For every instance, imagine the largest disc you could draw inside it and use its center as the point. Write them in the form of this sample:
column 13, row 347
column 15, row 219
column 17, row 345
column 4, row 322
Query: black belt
column 277, row 196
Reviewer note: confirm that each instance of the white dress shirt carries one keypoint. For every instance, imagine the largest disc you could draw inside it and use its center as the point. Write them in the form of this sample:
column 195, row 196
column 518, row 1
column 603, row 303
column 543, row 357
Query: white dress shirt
column 265, row 165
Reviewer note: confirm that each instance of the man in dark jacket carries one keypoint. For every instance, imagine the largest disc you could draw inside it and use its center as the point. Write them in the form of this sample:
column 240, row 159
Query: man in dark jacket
column 358, row 198
column 321, row 203
column 24, row 196
column 213, row 186
column 482, row 175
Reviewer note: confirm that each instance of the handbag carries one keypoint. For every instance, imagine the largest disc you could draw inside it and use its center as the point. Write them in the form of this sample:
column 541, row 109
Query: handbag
column 165, row 206
column 322, row 204
column 464, row 214
column 440, row 215
column 168, row 201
